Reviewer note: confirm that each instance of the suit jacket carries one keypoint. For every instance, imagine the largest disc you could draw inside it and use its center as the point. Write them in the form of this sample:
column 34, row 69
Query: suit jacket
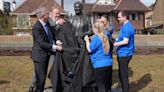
column 81, row 26
column 41, row 46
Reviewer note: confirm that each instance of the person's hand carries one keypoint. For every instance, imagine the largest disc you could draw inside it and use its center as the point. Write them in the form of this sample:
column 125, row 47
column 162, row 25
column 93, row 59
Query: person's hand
column 58, row 42
column 61, row 21
column 86, row 38
column 114, row 43
column 59, row 48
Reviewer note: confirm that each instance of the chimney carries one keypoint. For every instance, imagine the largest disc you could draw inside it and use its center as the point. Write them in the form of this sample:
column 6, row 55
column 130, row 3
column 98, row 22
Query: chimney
column 62, row 4
column 83, row 1
column 2, row 5
column 13, row 5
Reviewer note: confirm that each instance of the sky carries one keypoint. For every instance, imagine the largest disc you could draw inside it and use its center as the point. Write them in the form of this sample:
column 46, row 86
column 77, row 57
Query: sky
column 68, row 4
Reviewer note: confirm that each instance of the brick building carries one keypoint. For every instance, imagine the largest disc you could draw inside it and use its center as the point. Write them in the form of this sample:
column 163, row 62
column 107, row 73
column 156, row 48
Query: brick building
column 135, row 8
column 158, row 13
column 24, row 16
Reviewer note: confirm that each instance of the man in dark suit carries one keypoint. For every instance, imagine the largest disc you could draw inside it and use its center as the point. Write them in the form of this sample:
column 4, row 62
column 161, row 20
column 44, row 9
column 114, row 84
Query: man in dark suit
column 43, row 46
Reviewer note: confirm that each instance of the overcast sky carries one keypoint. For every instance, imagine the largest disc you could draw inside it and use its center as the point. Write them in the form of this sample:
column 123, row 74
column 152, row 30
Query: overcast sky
column 69, row 3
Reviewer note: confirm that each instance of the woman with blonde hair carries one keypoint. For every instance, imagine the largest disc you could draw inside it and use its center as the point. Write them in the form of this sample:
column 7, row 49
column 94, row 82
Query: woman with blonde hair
column 100, row 56
column 109, row 29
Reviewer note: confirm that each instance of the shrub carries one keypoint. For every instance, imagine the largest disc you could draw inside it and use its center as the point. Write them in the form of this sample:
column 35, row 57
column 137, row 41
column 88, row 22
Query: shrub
column 5, row 24
column 160, row 31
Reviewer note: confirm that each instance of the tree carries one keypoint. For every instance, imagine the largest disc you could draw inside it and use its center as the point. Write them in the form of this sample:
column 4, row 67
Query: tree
column 5, row 25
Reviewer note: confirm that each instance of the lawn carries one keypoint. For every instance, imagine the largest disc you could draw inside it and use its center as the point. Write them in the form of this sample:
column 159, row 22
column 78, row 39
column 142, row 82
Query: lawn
column 146, row 73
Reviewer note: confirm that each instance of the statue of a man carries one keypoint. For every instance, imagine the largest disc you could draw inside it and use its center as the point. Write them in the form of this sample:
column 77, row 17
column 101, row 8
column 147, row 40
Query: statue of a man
column 81, row 23
column 73, row 64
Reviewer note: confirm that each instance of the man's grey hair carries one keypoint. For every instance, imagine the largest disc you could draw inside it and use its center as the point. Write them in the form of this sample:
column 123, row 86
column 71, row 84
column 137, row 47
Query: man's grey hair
column 41, row 11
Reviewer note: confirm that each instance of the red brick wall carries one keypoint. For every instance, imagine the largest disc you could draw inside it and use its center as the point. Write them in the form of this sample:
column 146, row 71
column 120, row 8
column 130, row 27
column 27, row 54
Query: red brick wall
column 140, row 40
column 16, row 39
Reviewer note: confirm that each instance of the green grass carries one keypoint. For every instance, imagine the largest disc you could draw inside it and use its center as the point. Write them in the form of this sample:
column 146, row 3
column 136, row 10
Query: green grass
column 160, row 31
column 145, row 73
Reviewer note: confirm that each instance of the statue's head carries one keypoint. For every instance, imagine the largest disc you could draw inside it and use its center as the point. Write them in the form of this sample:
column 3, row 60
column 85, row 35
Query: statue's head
column 78, row 6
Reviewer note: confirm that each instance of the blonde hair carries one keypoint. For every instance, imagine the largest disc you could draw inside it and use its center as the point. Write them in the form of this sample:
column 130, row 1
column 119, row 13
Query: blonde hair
column 99, row 28
column 54, row 7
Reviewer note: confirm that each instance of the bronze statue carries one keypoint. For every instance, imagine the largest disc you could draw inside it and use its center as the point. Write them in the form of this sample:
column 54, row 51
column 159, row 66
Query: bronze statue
column 81, row 23
column 72, row 70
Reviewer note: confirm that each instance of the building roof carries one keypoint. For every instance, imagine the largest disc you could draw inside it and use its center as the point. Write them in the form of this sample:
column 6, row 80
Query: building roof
column 131, row 5
column 157, row 17
column 30, row 6
column 87, row 8
column 127, row 5
column 102, row 8
column 152, row 6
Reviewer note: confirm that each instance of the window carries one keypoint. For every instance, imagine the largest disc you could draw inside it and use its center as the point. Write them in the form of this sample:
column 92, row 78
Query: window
column 134, row 16
column 112, row 1
column 106, row 2
column 23, row 21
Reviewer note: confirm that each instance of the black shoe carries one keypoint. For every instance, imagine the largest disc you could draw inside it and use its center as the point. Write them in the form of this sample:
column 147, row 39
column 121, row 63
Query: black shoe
column 31, row 89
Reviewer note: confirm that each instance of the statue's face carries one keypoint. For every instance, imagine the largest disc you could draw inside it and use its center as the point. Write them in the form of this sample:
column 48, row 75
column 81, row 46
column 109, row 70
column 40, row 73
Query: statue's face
column 78, row 8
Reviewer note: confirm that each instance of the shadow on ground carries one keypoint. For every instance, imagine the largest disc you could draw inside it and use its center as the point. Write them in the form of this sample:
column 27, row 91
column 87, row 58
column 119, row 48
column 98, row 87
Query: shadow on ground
column 141, row 83
column 4, row 82
column 135, row 86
